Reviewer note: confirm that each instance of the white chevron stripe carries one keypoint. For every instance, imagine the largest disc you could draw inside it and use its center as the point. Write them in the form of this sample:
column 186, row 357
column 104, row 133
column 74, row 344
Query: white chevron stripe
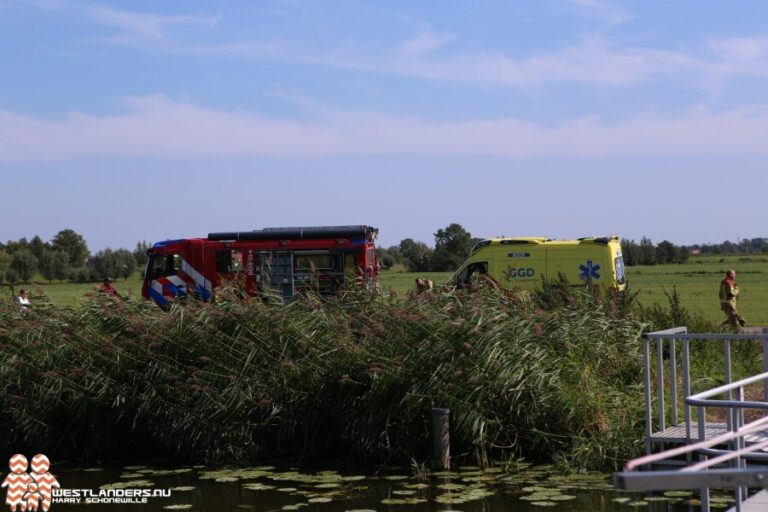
column 200, row 280
column 177, row 281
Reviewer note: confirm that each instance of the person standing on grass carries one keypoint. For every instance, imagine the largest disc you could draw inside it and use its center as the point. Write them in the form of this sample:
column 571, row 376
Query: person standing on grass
column 23, row 301
column 729, row 293
column 106, row 287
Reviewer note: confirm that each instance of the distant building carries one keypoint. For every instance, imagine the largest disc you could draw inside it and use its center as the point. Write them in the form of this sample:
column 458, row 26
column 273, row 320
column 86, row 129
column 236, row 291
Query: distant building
column 694, row 252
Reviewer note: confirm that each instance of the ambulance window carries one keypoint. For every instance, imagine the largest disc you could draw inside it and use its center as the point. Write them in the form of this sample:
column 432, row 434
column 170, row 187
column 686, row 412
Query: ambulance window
column 619, row 264
column 229, row 261
column 472, row 273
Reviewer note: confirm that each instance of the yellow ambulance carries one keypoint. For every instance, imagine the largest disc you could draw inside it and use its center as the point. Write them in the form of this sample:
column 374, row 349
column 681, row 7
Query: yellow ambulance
column 521, row 263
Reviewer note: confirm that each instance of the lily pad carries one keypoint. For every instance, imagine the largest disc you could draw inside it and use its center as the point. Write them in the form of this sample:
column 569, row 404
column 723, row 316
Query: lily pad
column 258, row 487
column 535, row 488
column 165, row 472
column 130, row 484
column 539, row 496
column 678, row 494
column 451, row 487
column 562, row 497
column 450, row 499
column 402, row 501
column 320, row 499
column 418, row 486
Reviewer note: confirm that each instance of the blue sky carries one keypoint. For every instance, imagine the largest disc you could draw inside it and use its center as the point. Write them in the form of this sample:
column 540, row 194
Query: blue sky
column 153, row 120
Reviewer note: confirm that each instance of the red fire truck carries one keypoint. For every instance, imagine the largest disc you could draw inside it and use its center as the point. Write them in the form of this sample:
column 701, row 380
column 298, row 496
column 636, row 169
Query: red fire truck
column 286, row 261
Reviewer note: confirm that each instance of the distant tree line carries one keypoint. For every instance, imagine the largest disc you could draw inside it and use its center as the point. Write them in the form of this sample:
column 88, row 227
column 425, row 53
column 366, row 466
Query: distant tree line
column 646, row 253
column 452, row 246
column 745, row 246
column 65, row 258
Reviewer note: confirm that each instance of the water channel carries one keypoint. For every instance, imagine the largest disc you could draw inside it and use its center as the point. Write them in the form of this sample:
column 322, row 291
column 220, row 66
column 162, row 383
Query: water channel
column 266, row 488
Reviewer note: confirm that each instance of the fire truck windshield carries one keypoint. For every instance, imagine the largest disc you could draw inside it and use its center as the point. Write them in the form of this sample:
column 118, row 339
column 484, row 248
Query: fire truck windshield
column 164, row 265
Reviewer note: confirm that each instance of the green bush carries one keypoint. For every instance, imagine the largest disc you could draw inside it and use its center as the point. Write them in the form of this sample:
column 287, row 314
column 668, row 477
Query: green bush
column 79, row 275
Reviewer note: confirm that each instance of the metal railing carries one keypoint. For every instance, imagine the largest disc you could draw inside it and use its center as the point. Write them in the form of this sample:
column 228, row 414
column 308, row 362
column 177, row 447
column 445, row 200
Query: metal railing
column 670, row 383
column 721, row 452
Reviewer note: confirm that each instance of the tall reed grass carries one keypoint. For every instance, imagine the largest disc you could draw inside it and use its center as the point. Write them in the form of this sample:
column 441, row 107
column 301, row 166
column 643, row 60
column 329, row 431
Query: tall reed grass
column 357, row 376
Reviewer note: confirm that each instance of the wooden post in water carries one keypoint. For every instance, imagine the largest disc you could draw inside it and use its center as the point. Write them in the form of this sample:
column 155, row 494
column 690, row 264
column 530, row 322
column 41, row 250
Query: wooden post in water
column 441, row 439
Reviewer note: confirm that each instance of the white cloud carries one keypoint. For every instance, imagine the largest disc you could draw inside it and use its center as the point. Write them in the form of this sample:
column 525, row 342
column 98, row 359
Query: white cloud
column 736, row 58
column 593, row 62
column 424, row 43
column 741, row 48
column 132, row 27
column 143, row 26
column 156, row 127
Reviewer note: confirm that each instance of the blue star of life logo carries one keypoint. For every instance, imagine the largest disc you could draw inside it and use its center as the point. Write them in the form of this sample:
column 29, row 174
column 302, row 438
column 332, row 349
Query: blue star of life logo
column 589, row 271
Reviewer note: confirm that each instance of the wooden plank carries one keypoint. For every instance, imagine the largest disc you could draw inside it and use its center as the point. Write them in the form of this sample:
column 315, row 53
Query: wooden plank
column 755, row 503
column 676, row 434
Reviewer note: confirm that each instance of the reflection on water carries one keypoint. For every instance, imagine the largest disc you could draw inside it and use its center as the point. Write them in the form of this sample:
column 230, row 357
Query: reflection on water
column 521, row 489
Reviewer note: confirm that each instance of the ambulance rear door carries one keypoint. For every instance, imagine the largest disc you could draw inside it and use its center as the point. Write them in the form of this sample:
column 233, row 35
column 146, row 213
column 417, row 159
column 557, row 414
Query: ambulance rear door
column 580, row 263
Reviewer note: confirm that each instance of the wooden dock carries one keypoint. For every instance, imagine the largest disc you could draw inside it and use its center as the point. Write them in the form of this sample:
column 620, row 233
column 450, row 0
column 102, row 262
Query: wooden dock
column 676, row 435
column 755, row 503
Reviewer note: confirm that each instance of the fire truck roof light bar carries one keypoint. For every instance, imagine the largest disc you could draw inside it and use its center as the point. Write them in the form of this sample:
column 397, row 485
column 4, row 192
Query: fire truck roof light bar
column 299, row 233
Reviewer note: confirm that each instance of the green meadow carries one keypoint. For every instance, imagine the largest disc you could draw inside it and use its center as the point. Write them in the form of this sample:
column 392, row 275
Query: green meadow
column 696, row 282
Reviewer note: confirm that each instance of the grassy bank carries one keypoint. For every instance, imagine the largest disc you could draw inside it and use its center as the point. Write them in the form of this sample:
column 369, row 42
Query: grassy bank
column 696, row 282
column 242, row 379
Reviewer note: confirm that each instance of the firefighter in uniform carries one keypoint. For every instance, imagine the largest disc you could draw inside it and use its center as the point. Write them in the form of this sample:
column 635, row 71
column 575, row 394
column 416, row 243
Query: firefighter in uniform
column 729, row 293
